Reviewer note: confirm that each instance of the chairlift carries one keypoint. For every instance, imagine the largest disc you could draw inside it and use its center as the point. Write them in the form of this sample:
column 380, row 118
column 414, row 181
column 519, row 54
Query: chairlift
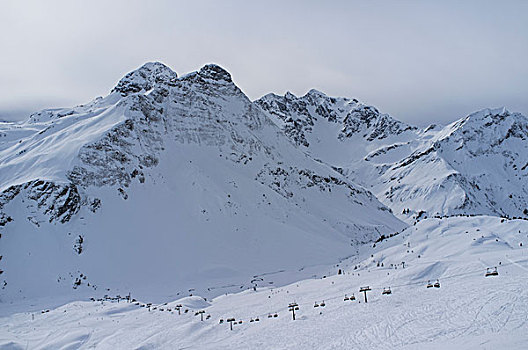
column 270, row 316
column 386, row 291
column 276, row 315
column 437, row 284
column 322, row 304
column 316, row 305
column 352, row 298
column 346, row 298
column 429, row 284
column 257, row 319
column 491, row 273
column 251, row 320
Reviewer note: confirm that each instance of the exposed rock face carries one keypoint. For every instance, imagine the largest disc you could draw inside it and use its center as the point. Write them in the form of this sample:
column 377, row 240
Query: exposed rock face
column 297, row 115
column 58, row 202
column 145, row 78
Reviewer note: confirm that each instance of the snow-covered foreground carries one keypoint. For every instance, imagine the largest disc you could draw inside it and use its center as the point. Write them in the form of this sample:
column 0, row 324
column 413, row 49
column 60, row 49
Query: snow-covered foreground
column 468, row 311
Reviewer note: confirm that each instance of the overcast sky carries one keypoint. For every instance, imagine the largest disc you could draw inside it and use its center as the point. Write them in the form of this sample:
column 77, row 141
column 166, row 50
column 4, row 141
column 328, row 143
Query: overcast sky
column 420, row 61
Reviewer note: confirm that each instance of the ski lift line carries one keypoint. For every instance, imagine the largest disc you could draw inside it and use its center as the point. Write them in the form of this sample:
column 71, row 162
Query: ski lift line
column 383, row 288
column 421, row 282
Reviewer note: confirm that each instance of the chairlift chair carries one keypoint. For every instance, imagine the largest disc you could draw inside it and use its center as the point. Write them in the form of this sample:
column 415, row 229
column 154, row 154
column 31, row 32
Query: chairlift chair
column 386, row 291
column 316, row 305
column 352, row 298
column 429, row 284
column 346, row 298
column 437, row 284
column 322, row 304
column 491, row 273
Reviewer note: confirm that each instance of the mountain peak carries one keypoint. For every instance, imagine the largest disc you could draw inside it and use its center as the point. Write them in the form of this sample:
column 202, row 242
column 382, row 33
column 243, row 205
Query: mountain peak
column 215, row 72
column 144, row 78
column 489, row 112
column 315, row 92
column 490, row 118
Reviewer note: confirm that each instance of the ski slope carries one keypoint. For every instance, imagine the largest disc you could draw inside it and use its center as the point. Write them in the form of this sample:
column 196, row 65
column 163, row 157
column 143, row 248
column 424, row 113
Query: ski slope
column 468, row 311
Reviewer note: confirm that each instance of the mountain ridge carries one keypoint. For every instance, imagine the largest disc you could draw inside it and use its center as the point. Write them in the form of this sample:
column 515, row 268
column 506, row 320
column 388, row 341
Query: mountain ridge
column 378, row 152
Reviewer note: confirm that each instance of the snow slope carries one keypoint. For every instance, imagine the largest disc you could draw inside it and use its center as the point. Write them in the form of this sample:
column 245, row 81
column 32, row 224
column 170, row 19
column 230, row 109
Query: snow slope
column 468, row 311
column 168, row 186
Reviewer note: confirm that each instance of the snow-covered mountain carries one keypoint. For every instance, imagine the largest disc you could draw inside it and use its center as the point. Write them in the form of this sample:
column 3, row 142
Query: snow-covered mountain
column 169, row 186
column 182, row 191
column 476, row 165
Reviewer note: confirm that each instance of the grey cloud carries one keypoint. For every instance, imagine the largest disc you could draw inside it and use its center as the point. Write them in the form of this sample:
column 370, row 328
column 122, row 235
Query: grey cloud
column 422, row 61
